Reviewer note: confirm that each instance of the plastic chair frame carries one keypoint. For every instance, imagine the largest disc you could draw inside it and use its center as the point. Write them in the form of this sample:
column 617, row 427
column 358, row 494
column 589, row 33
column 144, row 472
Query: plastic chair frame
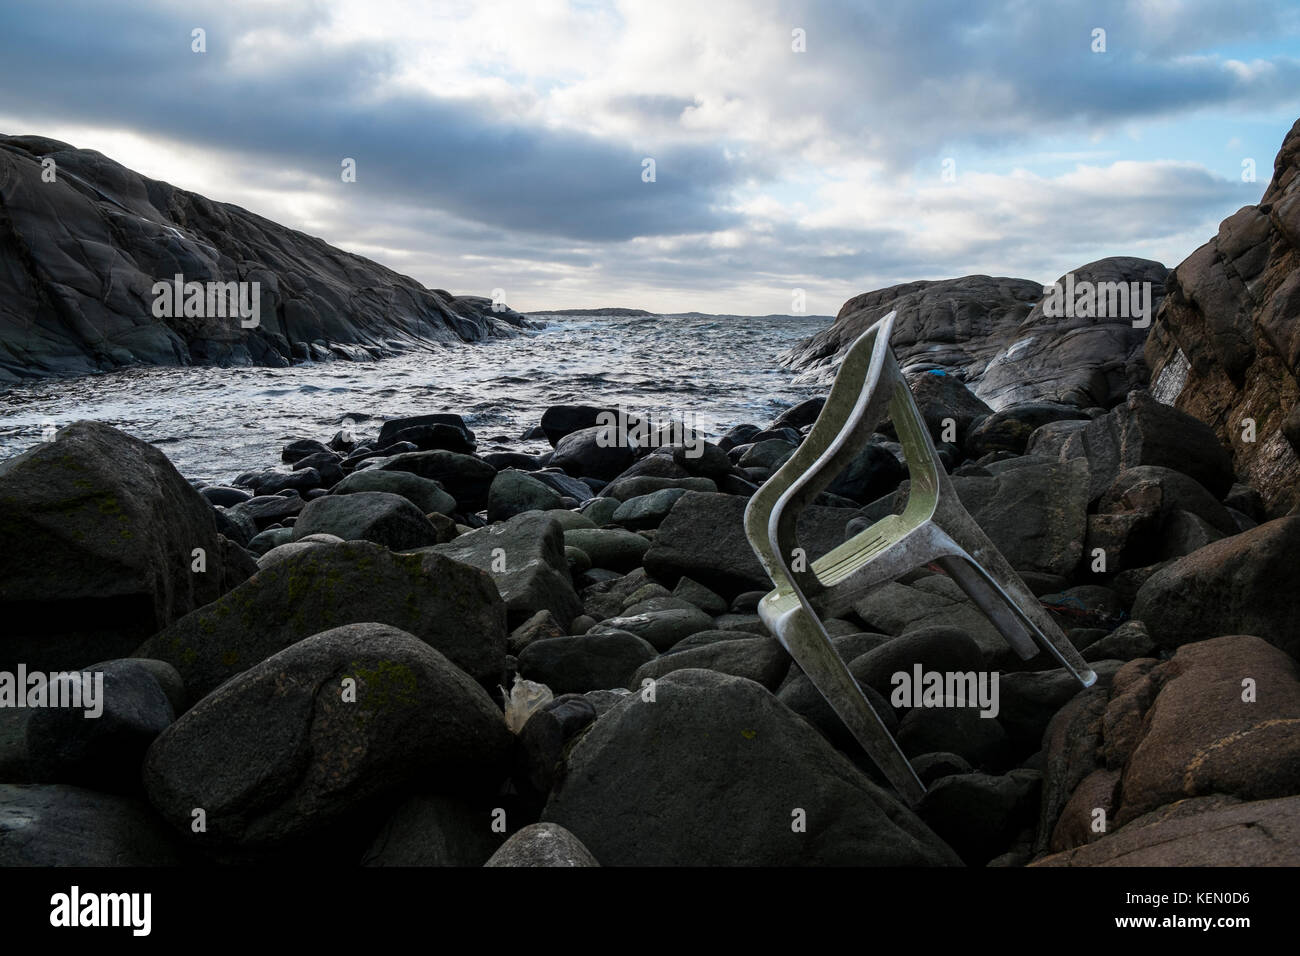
column 934, row 527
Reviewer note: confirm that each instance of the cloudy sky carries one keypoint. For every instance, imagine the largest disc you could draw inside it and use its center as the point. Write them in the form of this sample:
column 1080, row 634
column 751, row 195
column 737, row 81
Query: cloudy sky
column 503, row 144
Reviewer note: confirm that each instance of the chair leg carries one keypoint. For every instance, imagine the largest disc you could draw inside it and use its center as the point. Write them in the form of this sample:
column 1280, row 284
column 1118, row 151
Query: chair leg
column 802, row 634
column 992, row 603
column 1006, row 594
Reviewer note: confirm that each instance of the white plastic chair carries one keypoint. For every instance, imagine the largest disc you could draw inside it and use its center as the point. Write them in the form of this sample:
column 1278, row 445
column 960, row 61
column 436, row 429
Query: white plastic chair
column 934, row 527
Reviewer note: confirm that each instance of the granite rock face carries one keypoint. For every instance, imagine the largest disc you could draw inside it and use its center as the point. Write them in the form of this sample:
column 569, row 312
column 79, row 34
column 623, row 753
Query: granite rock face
column 81, row 254
column 999, row 336
column 1225, row 346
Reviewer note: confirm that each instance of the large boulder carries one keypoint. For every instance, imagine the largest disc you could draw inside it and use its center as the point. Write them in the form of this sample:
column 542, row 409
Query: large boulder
column 1203, row 832
column 1035, row 513
column 525, row 557
column 1224, row 346
column 103, row 544
column 996, row 335
column 303, row 738
column 714, row 771
column 377, row 516
column 594, row 452
column 1142, row 431
column 703, row 538
column 1249, row 583
column 1224, row 718
column 104, row 750
column 450, row 606
column 1084, row 360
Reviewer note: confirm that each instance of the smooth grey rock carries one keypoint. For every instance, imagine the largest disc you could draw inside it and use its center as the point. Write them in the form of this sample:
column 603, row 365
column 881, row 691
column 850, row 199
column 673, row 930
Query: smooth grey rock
column 525, row 557
column 452, row 607
column 100, row 533
column 640, row 788
column 543, row 844
column 280, row 751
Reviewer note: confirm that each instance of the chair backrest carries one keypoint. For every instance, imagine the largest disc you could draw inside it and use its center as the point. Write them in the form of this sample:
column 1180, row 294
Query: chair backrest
column 869, row 387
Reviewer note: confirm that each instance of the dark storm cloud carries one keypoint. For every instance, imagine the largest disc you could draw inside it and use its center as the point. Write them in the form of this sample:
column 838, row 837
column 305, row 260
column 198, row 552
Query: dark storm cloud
column 134, row 67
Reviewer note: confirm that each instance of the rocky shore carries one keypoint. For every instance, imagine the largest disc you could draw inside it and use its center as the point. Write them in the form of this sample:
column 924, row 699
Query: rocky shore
column 392, row 648
column 393, row 645
column 84, row 240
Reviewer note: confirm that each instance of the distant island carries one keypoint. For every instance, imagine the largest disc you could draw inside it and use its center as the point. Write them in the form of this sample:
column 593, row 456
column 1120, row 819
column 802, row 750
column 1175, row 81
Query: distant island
column 632, row 313
column 627, row 312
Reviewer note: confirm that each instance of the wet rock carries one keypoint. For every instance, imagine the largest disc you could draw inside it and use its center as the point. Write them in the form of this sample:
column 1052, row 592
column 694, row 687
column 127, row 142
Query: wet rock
column 448, row 427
